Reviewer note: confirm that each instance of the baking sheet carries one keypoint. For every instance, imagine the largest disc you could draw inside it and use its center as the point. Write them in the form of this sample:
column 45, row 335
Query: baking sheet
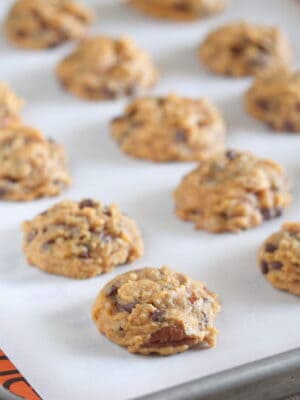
column 45, row 323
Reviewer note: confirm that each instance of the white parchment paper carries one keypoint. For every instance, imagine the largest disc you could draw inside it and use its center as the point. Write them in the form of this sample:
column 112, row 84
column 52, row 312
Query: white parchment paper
column 45, row 324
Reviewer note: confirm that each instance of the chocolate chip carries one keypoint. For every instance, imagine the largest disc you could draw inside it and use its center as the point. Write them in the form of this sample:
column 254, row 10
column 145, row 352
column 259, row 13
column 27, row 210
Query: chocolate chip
column 108, row 93
column 31, row 235
column 158, row 316
column 112, row 291
column 231, row 154
column 270, row 248
column 180, row 6
column 21, row 33
column 170, row 336
column 263, row 104
column 297, row 106
column 237, row 49
column 276, row 265
column 269, row 213
column 180, row 136
column 264, row 266
column 126, row 307
column 89, row 203
column 289, row 126
column 131, row 90
column 3, row 192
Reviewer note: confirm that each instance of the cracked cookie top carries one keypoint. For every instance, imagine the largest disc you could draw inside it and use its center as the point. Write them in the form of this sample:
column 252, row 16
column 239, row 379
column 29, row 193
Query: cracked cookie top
column 274, row 99
column 279, row 258
column 106, row 68
column 81, row 239
column 156, row 311
column 31, row 166
column 232, row 191
column 179, row 10
column 10, row 106
column 170, row 128
column 40, row 24
column 241, row 49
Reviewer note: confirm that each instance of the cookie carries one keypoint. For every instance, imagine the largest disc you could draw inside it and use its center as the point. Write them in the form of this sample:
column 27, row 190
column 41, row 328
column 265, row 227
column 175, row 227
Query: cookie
column 179, row 10
column 10, row 107
column 31, row 166
column 104, row 68
column 81, row 239
column 170, row 128
column 274, row 99
column 40, row 24
column 156, row 311
column 279, row 258
column 242, row 49
column 233, row 191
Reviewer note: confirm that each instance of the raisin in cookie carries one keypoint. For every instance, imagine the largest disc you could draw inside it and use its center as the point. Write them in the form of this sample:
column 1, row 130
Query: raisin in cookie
column 31, row 166
column 104, row 68
column 179, row 10
column 232, row 191
column 81, row 239
column 170, row 128
column 279, row 258
column 242, row 49
column 275, row 100
column 40, row 24
column 156, row 311
column 10, row 107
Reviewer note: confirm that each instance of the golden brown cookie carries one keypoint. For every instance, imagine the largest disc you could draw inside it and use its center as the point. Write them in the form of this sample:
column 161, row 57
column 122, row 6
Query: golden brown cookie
column 232, row 191
column 40, row 24
column 179, row 10
column 81, row 239
column 279, row 258
column 170, row 128
column 103, row 68
column 31, row 166
column 156, row 311
column 10, row 107
column 274, row 99
column 241, row 49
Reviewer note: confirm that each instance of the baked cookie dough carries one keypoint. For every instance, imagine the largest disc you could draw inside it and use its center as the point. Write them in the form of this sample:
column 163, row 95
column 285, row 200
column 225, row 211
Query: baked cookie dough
column 279, row 258
column 241, row 49
column 31, row 166
column 156, row 311
column 10, row 107
column 103, row 68
column 179, row 10
column 275, row 100
column 81, row 239
column 232, row 191
column 40, row 24
column 170, row 128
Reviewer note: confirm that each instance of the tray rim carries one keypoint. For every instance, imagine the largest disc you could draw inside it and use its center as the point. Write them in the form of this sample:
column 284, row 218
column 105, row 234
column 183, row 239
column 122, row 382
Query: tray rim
column 241, row 380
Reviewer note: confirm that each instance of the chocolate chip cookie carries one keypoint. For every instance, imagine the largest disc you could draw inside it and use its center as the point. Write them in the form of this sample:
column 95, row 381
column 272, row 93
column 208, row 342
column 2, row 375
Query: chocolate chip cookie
column 275, row 100
column 31, row 166
column 156, row 311
column 241, row 49
column 81, row 239
column 10, row 107
column 104, row 68
column 171, row 128
column 179, row 10
column 232, row 191
column 40, row 24
column 279, row 258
